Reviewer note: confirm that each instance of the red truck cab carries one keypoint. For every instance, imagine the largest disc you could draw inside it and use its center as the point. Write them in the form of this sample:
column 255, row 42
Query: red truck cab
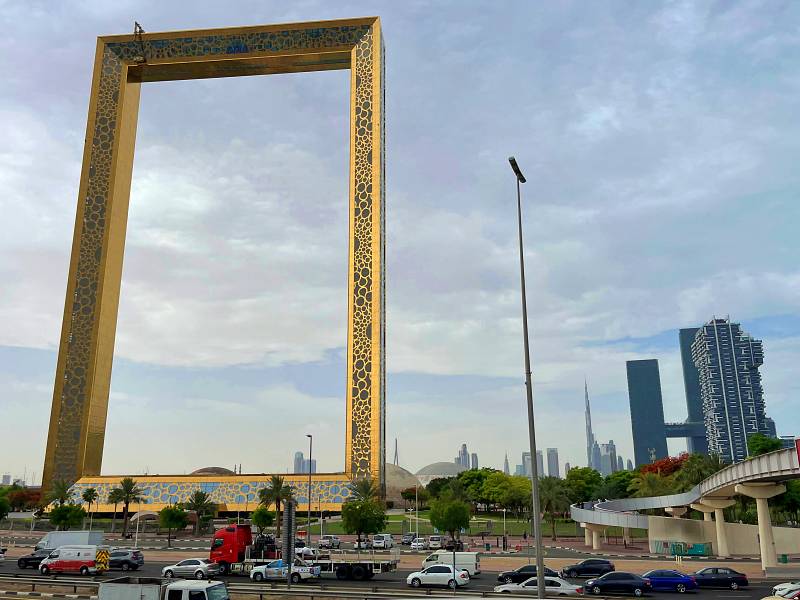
column 228, row 545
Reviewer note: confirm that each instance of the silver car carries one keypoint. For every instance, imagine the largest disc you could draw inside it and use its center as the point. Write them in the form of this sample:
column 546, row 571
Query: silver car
column 199, row 568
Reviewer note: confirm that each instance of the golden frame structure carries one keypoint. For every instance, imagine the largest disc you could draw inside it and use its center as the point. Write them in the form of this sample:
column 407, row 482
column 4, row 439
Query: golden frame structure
column 122, row 63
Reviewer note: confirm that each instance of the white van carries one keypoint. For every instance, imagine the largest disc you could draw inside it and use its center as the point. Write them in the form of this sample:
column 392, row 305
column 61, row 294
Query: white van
column 382, row 541
column 435, row 542
column 85, row 560
column 469, row 561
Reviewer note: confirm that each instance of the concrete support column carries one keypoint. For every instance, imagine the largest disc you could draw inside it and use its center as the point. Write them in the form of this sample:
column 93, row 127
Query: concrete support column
column 766, row 540
column 706, row 510
column 675, row 511
column 587, row 535
column 707, row 516
column 717, row 504
column 596, row 530
column 595, row 539
column 626, row 536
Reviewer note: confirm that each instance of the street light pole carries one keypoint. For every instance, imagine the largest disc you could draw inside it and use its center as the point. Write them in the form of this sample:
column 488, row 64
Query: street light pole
column 537, row 526
column 308, row 526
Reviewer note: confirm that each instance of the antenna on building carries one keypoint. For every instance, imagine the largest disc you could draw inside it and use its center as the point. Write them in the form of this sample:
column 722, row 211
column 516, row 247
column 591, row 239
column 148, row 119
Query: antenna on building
column 396, row 455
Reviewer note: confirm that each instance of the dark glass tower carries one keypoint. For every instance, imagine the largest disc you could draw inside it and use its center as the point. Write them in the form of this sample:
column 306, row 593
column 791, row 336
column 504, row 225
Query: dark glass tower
column 691, row 384
column 647, row 411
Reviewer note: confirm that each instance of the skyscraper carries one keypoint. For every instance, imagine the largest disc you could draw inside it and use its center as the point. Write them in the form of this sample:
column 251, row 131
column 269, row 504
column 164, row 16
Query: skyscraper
column 552, row 462
column 620, row 463
column 527, row 467
column 629, row 465
column 647, row 411
column 608, row 458
column 539, row 464
column 596, row 456
column 463, row 457
column 691, row 385
column 474, row 461
column 566, row 469
column 590, row 441
column 506, row 468
column 727, row 360
column 299, row 461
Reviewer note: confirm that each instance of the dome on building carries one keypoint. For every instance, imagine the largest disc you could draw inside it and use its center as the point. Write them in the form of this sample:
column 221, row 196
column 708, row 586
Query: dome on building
column 212, row 471
column 397, row 480
column 437, row 470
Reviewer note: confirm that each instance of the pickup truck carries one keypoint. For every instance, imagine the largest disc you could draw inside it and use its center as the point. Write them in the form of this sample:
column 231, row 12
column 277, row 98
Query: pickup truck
column 151, row 588
column 277, row 569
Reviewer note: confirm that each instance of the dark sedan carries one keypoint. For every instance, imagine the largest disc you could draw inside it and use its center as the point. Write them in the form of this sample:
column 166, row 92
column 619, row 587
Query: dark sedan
column 33, row 560
column 524, row 573
column 618, row 583
column 667, row 580
column 720, row 577
column 591, row 567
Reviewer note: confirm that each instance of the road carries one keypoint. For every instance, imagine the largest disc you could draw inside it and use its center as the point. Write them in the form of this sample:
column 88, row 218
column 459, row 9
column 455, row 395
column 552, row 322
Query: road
column 397, row 581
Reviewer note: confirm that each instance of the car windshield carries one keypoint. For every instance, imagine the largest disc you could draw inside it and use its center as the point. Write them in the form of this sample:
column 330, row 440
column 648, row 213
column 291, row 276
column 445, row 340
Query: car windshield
column 217, row 592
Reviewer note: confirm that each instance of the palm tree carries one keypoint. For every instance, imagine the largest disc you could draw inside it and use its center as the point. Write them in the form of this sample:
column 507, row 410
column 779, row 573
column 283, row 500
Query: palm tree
column 277, row 491
column 89, row 496
column 60, row 493
column 697, row 468
column 114, row 497
column 650, row 484
column 201, row 504
column 553, row 499
column 364, row 489
column 129, row 493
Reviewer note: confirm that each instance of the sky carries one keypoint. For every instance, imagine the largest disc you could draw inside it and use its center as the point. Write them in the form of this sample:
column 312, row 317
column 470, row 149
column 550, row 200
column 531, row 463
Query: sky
column 660, row 143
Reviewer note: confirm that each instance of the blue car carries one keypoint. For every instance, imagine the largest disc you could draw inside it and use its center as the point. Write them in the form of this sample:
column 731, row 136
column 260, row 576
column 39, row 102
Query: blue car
column 667, row 580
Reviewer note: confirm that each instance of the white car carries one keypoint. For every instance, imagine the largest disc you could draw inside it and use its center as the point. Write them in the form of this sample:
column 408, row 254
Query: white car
column 553, row 586
column 435, row 542
column 438, row 575
column 362, row 545
column 277, row 569
column 782, row 589
column 330, row 542
column 382, row 541
column 419, row 544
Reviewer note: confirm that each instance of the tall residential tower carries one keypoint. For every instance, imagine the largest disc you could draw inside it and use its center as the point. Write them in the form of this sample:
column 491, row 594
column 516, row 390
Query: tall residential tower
column 727, row 360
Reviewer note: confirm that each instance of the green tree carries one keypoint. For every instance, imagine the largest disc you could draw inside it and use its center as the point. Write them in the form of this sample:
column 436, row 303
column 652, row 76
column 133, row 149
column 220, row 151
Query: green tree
column 553, row 499
column 66, row 516
column 455, row 490
column 172, row 517
column 473, row 481
column 262, row 518
column 276, row 492
column 697, row 468
column 60, row 493
column 758, row 443
column 449, row 515
column 5, row 507
column 129, row 492
column 363, row 516
column 495, row 487
column 200, row 503
column 515, row 494
column 615, row 485
column 435, row 486
column 650, row 484
column 89, row 496
column 789, row 502
column 364, row 489
column 115, row 498
column 582, row 484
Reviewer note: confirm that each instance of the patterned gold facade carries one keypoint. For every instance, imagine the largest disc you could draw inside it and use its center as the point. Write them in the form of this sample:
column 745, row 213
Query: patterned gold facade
column 122, row 64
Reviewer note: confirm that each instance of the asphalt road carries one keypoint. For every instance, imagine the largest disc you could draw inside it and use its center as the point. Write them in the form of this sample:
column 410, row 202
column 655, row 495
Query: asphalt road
column 397, row 580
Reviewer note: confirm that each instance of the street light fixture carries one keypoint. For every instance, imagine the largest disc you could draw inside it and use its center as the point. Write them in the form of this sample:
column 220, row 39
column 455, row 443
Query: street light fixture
column 537, row 526
column 308, row 526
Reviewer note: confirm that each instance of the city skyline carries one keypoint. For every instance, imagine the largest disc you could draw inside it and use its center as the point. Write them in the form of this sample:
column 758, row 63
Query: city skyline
column 234, row 275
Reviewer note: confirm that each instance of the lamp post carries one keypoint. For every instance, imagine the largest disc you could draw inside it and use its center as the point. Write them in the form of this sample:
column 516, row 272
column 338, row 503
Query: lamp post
column 416, row 512
column 537, row 526
column 308, row 526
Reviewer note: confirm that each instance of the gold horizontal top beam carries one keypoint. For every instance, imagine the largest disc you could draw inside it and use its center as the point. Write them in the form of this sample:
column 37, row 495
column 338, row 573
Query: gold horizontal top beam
column 168, row 35
column 240, row 66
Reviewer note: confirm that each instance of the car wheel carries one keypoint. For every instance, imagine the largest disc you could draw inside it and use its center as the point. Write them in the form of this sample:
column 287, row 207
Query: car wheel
column 596, row 590
column 125, row 566
column 257, row 577
column 451, row 584
column 44, row 570
column 223, row 568
column 637, row 592
column 295, row 577
column 506, row 579
column 415, row 582
column 22, row 564
column 573, row 574
column 169, row 574
column 734, row 585
column 199, row 574
column 84, row 571
column 680, row 588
